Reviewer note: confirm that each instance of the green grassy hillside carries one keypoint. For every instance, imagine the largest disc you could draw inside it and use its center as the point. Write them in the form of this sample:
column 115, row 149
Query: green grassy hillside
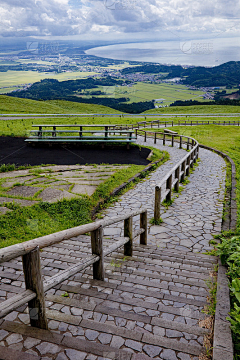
column 12, row 105
column 198, row 109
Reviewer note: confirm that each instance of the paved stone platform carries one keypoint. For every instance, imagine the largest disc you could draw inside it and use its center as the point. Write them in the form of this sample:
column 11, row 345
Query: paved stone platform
column 150, row 305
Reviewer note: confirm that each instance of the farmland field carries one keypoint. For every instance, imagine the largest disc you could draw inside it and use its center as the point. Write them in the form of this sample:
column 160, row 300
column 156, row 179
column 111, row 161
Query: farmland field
column 146, row 92
column 14, row 78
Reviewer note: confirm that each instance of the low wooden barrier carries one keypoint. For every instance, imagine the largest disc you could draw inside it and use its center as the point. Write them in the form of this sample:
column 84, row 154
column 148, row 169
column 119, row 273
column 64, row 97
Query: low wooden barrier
column 85, row 133
column 30, row 252
column 160, row 123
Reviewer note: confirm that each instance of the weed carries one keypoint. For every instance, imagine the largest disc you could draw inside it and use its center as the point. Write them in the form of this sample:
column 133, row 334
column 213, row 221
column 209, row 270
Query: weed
column 156, row 222
column 167, row 203
column 213, row 242
column 65, row 294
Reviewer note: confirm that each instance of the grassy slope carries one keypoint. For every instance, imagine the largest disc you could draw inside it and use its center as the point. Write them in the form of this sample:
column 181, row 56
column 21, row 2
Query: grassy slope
column 12, row 105
column 200, row 109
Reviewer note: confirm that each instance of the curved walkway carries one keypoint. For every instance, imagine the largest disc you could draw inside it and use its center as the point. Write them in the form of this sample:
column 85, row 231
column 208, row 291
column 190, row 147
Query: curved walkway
column 194, row 216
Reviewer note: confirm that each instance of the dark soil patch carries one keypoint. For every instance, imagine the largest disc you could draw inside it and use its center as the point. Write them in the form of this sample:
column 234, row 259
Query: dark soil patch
column 13, row 150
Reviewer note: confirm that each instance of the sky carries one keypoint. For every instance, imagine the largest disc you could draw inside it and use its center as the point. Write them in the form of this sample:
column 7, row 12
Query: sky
column 120, row 19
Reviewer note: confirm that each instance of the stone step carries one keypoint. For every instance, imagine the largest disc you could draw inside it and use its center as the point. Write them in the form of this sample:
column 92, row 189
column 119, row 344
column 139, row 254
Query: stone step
column 166, row 264
column 79, row 304
column 63, row 342
column 7, row 353
column 194, row 290
column 156, row 269
column 153, row 296
column 111, row 306
column 147, row 274
column 171, row 256
column 177, row 253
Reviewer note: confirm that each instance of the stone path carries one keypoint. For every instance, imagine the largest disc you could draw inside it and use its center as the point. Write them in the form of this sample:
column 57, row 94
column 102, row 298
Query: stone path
column 194, row 215
column 150, row 305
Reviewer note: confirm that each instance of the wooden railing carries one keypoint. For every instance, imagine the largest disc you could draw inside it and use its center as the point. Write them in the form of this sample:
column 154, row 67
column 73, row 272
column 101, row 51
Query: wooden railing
column 177, row 174
column 30, row 252
column 158, row 123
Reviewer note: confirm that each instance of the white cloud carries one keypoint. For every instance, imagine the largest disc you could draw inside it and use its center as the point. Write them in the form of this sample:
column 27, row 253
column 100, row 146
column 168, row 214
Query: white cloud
column 73, row 17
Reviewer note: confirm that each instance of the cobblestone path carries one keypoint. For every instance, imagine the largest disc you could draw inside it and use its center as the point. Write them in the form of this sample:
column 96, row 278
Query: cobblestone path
column 193, row 217
column 150, row 305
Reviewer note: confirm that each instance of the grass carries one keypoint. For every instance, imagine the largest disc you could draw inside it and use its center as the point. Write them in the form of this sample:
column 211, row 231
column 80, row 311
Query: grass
column 12, row 105
column 197, row 109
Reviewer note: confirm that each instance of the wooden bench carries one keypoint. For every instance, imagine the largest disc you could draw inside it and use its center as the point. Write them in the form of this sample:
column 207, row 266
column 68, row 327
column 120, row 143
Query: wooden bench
column 170, row 132
column 85, row 134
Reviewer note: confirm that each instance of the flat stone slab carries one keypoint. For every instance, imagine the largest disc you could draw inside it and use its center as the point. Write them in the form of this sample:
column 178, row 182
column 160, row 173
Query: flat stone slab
column 23, row 190
column 53, row 195
column 4, row 210
column 21, row 202
column 83, row 189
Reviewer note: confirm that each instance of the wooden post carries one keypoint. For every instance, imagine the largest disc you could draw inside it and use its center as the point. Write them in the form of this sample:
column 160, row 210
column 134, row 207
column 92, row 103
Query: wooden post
column 97, row 249
column 177, row 176
column 169, row 186
column 196, row 155
column 151, row 124
column 106, row 131
column 191, row 122
column 164, row 139
column 183, row 168
column 136, row 133
column 33, row 281
column 172, row 123
column 145, row 136
column 155, row 138
column 172, row 140
column 40, row 131
column 157, row 204
column 128, row 232
column 192, row 158
column 188, row 164
column 158, row 123
column 187, row 143
column 180, row 144
column 192, row 143
column 143, row 225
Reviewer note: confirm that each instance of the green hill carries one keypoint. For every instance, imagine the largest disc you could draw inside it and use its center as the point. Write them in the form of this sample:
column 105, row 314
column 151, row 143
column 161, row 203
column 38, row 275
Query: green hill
column 197, row 109
column 12, row 105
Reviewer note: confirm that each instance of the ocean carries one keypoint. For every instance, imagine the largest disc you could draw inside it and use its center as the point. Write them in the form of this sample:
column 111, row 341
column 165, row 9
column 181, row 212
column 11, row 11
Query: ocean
column 207, row 52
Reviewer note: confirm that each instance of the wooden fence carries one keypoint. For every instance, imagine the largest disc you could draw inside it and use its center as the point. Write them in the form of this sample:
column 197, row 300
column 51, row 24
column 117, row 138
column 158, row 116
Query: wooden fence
column 159, row 123
column 30, row 252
